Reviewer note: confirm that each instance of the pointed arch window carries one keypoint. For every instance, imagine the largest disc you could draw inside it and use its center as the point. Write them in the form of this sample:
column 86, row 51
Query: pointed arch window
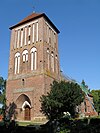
column 25, row 55
column 33, row 58
column 17, row 62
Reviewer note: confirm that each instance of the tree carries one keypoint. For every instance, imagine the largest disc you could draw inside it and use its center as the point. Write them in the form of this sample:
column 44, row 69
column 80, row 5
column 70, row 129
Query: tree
column 8, row 112
column 96, row 99
column 2, row 91
column 84, row 87
column 63, row 97
column 2, row 85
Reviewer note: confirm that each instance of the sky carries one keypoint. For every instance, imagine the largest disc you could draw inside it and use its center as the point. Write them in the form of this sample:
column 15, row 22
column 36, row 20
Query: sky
column 79, row 37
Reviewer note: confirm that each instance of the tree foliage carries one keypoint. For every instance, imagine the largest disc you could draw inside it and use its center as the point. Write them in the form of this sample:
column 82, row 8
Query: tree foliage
column 96, row 99
column 2, row 90
column 63, row 97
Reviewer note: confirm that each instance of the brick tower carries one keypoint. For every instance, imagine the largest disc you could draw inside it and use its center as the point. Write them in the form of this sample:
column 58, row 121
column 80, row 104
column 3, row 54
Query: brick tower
column 33, row 64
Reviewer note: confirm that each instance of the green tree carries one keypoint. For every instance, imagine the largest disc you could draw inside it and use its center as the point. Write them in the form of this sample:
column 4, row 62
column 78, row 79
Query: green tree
column 8, row 112
column 63, row 97
column 96, row 99
column 84, row 87
column 2, row 90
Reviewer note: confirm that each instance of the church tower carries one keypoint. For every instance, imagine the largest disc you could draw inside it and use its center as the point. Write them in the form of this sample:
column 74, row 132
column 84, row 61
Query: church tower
column 33, row 64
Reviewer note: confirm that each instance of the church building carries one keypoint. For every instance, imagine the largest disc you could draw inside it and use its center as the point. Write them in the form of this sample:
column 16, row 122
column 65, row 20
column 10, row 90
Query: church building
column 33, row 64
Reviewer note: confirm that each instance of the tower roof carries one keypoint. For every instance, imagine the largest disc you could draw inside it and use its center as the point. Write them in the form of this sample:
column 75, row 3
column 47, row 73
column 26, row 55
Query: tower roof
column 34, row 16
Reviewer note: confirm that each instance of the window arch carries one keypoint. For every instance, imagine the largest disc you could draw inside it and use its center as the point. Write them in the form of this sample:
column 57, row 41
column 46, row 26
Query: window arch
column 17, row 62
column 33, row 52
column 25, row 55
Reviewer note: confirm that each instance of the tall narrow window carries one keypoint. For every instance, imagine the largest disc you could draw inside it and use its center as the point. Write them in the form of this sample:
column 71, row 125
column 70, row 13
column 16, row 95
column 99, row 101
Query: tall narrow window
column 15, row 40
column 56, row 64
column 18, row 38
column 33, row 58
column 29, row 34
column 37, row 31
column 29, row 30
column 52, row 62
column 25, row 37
column 33, row 34
column 21, row 38
column 48, row 59
column 49, row 35
column 55, row 40
column 25, row 55
column 85, row 106
column 17, row 62
column 52, row 37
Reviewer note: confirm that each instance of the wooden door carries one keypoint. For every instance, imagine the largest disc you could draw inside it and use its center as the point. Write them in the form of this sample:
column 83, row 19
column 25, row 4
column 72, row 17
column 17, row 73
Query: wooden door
column 27, row 113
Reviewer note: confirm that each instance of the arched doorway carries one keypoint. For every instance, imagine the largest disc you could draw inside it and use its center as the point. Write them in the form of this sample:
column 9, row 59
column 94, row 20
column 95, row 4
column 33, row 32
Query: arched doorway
column 24, row 105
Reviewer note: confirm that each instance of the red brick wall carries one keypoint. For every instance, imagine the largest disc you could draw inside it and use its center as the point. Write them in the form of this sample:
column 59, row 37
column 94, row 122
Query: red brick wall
column 30, row 83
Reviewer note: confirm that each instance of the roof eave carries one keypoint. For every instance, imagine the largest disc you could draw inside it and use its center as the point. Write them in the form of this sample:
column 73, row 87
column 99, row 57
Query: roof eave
column 45, row 16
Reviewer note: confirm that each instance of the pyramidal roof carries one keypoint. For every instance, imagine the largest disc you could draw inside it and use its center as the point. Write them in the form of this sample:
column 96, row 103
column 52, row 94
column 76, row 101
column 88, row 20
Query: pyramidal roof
column 34, row 16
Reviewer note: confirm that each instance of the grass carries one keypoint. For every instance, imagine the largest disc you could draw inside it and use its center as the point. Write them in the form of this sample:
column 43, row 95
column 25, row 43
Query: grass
column 24, row 123
column 28, row 123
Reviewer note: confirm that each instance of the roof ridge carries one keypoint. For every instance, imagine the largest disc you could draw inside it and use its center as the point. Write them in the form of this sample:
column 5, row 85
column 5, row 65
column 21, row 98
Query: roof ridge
column 31, row 16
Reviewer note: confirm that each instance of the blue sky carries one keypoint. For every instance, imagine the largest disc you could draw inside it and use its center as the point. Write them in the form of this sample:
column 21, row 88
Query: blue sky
column 79, row 38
